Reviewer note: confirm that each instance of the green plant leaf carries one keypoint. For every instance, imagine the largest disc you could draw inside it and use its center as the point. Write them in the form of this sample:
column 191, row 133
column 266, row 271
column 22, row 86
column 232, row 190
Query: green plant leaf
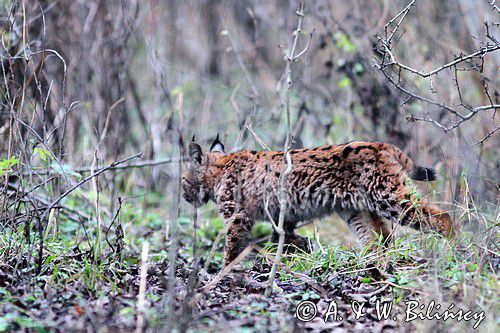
column 7, row 164
column 44, row 154
column 345, row 82
column 358, row 68
column 343, row 42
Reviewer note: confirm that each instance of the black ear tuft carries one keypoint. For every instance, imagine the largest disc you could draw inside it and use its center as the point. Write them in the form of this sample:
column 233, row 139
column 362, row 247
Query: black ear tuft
column 193, row 139
column 217, row 146
column 195, row 153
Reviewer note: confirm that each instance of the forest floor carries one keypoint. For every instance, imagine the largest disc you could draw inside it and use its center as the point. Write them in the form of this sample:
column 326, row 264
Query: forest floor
column 79, row 288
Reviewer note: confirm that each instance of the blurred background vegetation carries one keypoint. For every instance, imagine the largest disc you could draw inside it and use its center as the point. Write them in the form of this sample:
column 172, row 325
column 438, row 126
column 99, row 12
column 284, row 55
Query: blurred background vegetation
column 87, row 83
column 107, row 76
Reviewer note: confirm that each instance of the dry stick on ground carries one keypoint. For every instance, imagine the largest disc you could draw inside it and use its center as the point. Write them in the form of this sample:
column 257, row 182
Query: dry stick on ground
column 192, row 282
column 95, row 188
column 222, row 274
column 289, row 58
column 141, row 298
column 173, row 248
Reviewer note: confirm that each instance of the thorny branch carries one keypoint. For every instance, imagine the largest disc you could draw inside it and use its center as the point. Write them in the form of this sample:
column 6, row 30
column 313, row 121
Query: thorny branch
column 394, row 71
column 489, row 135
column 479, row 53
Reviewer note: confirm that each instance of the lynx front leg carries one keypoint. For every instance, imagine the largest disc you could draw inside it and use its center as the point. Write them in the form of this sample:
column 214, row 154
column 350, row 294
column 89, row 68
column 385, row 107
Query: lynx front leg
column 237, row 236
column 365, row 224
column 239, row 224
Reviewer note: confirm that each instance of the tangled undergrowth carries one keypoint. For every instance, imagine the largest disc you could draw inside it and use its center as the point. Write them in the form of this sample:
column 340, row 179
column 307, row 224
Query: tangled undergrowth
column 79, row 288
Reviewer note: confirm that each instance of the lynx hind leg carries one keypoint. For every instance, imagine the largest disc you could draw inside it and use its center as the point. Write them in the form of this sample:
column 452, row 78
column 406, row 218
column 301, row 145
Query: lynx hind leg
column 381, row 227
column 368, row 226
column 293, row 240
column 237, row 236
column 404, row 208
column 426, row 217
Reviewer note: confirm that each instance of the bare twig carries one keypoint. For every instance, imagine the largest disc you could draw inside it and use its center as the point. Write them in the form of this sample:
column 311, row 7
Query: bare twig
column 282, row 192
column 403, row 14
column 142, row 164
column 174, row 246
column 479, row 53
column 222, row 274
column 494, row 6
column 257, row 138
column 74, row 187
column 236, row 50
column 462, row 111
column 281, row 219
column 115, row 217
column 84, row 169
column 462, row 118
column 490, row 134
column 95, row 188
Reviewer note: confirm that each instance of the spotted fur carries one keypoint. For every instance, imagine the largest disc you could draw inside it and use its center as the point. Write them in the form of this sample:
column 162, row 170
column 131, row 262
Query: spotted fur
column 366, row 183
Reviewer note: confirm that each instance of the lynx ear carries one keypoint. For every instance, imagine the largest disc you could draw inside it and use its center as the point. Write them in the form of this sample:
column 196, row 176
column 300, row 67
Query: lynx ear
column 195, row 152
column 217, row 146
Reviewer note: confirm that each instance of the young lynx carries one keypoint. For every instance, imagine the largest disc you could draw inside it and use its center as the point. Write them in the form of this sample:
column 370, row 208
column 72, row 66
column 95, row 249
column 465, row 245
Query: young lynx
column 364, row 182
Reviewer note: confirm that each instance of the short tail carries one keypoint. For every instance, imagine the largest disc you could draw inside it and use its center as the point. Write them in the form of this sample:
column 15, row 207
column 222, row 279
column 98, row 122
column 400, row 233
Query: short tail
column 415, row 172
column 423, row 174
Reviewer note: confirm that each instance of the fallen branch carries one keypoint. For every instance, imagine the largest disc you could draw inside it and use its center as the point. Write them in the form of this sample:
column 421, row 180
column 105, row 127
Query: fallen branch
column 400, row 287
column 222, row 274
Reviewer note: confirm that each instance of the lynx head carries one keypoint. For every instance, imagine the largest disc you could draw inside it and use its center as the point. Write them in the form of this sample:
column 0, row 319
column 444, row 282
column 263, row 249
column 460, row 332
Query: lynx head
column 202, row 172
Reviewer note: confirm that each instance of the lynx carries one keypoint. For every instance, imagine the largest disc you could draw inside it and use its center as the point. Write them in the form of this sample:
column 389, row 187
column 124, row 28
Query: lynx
column 366, row 183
